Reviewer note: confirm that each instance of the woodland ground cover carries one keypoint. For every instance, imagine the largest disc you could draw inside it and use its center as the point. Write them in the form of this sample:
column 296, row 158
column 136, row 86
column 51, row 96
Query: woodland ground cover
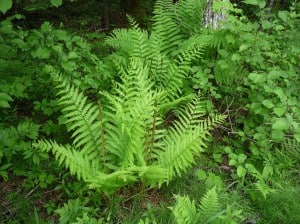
column 165, row 122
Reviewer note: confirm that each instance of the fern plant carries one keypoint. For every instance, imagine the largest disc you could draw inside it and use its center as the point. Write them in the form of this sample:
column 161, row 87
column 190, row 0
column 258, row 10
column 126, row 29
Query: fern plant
column 167, row 50
column 125, row 138
column 209, row 211
column 146, row 128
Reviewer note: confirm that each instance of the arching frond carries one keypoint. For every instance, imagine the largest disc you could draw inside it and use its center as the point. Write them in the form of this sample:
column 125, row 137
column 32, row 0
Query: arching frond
column 109, row 183
column 130, row 42
column 186, row 139
column 130, row 115
column 184, row 211
column 165, row 27
column 127, row 137
column 132, row 22
column 82, row 119
column 209, row 209
column 189, row 15
column 78, row 163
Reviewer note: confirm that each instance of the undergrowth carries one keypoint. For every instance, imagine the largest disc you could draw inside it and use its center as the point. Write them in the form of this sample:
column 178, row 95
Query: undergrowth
column 177, row 123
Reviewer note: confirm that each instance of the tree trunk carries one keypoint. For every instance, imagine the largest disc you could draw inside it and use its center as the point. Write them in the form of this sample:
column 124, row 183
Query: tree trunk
column 271, row 3
column 211, row 18
column 106, row 14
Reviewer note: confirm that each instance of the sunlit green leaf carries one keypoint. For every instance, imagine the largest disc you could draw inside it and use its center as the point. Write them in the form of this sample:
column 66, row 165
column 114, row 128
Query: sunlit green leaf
column 277, row 135
column 283, row 15
column 41, row 53
column 5, row 5
column 4, row 99
column 256, row 78
column 201, row 175
column 279, row 111
column 242, row 158
column 251, row 2
column 263, row 188
column 241, row 171
column 297, row 137
column 268, row 103
column 280, row 124
column 56, row 3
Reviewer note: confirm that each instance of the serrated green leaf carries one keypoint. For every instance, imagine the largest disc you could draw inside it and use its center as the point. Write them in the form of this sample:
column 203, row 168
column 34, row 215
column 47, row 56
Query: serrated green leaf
column 72, row 55
column 4, row 104
column 262, row 4
column 5, row 97
column 263, row 188
column 266, row 24
column 283, row 15
column 267, row 171
column 277, row 135
column 251, row 2
column 279, row 92
column 279, row 111
column 5, row 5
column 56, row 3
column 274, row 75
column 251, row 169
column 201, row 175
column 297, row 137
column 227, row 149
column 232, row 162
column 242, row 158
column 5, row 166
column 236, row 57
column 279, row 27
column 241, row 171
column 268, row 104
column 243, row 47
column 46, row 27
column 41, row 53
column 280, row 124
column 256, row 78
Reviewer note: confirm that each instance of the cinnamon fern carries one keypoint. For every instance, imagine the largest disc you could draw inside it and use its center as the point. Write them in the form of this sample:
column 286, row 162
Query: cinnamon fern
column 128, row 135
column 209, row 211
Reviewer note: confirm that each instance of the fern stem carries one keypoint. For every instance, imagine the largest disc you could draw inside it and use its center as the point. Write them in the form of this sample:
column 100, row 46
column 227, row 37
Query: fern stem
column 102, row 134
column 153, row 129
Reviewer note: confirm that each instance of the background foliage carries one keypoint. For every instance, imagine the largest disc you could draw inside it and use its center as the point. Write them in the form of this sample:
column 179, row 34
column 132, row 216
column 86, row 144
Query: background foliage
column 130, row 90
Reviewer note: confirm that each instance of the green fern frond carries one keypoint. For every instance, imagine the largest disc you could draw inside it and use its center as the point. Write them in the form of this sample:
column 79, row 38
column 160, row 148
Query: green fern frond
column 158, row 64
column 217, row 39
column 185, row 139
column 152, row 176
column 185, row 211
column 180, row 149
column 165, row 27
column 82, row 118
column 130, row 113
column 189, row 15
column 166, row 106
column 147, row 221
column 119, row 39
column 132, row 22
column 78, row 163
column 109, row 183
column 190, row 114
column 209, row 209
column 141, row 45
column 291, row 147
column 130, row 42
